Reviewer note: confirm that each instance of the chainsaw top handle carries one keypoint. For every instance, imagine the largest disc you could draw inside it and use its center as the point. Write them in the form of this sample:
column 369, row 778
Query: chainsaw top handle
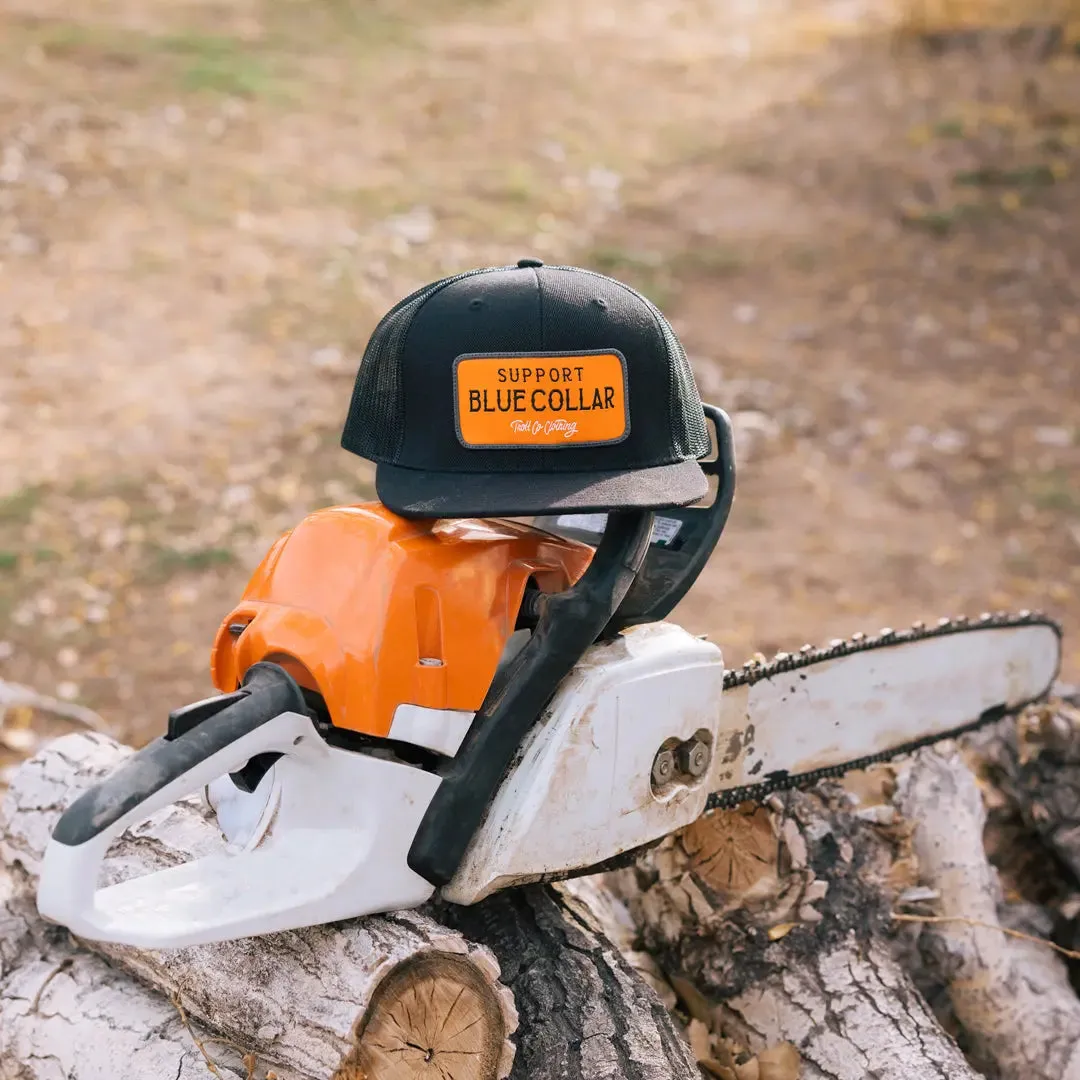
column 568, row 623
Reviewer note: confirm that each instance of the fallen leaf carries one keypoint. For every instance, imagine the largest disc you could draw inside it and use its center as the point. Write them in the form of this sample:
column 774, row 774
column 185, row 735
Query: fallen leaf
column 874, row 786
column 993, row 798
column 903, row 873
column 700, row 1040
column 781, row 1062
column 725, row 1051
column 693, row 999
column 714, row 1068
column 781, row 930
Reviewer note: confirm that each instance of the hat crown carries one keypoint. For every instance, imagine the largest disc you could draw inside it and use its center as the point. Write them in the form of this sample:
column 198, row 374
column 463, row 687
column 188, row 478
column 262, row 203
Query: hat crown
column 525, row 370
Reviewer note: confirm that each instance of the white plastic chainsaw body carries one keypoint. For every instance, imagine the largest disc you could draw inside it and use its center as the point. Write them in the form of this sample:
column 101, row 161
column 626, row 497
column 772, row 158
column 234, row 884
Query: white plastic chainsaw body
column 326, row 833
column 581, row 790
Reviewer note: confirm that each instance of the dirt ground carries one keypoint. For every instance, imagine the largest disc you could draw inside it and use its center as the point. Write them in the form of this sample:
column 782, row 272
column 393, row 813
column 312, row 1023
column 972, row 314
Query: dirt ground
column 870, row 249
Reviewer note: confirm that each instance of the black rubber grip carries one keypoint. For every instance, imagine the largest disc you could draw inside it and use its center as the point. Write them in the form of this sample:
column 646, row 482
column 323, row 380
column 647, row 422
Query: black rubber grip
column 568, row 624
column 666, row 575
column 271, row 691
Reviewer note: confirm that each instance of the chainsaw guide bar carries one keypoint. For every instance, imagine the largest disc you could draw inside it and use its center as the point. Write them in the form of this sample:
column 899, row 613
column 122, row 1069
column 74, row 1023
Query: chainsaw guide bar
column 753, row 671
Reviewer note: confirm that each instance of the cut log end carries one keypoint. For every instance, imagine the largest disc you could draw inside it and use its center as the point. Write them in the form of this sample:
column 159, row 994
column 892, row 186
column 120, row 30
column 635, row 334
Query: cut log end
column 435, row 1017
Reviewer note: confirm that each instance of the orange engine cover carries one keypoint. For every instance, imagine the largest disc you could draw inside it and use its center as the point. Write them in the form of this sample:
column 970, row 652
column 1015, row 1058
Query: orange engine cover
column 373, row 610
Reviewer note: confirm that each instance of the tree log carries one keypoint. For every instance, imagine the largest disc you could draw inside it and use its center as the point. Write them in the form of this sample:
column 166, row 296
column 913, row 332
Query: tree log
column 57, row 1002
column 389, row 997
column 1012, row 996
column 775, row 924
column 772, row 931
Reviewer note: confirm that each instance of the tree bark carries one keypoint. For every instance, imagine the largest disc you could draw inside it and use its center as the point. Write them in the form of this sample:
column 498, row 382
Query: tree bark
column 67, row 1013
column 367, row 998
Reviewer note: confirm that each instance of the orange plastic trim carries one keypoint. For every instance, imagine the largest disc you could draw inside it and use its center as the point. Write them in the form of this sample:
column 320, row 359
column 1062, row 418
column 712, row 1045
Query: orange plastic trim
column 373, row 610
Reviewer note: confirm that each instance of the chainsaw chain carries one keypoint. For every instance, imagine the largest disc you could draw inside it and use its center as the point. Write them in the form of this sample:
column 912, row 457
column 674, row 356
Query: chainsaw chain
column 754, row 671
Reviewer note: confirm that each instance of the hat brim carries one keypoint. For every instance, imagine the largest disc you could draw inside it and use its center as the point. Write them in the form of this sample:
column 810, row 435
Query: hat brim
column 419, row 493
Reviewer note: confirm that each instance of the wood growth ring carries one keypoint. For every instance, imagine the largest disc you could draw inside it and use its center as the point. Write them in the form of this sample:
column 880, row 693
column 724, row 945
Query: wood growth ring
column 434, row 1017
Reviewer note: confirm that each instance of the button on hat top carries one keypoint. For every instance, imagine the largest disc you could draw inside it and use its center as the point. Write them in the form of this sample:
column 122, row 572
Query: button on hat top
column 525, row 390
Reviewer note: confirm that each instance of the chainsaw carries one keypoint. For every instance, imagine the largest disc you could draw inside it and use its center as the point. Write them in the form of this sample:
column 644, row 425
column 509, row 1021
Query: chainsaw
column 411, row 707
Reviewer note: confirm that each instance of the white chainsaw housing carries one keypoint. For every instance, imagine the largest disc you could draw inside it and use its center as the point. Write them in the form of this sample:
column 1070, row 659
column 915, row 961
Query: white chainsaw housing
column 323, row 838
column 581, row 791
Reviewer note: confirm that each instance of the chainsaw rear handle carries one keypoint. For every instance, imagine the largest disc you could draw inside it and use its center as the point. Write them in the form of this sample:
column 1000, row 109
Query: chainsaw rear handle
column 568, row 623
column 146, row 781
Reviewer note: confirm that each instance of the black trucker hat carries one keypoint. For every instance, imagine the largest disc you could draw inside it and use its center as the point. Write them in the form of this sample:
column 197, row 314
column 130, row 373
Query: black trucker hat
column 518, row 390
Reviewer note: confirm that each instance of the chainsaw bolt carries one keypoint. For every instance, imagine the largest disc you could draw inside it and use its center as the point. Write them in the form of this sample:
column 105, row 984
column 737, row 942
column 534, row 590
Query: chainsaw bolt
column 694, row 758
column 663, row 769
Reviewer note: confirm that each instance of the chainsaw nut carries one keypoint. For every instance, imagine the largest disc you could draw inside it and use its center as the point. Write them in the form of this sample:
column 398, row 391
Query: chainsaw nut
column 693, row 758
column 663, row 769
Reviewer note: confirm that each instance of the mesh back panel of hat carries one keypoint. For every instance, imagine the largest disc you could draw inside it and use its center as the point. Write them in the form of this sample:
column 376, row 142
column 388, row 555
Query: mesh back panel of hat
column 379, row 435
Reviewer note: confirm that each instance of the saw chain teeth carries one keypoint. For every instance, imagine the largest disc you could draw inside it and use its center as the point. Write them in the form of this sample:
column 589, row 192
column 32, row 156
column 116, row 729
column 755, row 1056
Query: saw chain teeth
column 754, row 672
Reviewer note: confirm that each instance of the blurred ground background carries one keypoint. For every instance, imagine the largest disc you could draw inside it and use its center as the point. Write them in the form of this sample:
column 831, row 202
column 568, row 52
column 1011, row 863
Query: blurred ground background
column 863, row 220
